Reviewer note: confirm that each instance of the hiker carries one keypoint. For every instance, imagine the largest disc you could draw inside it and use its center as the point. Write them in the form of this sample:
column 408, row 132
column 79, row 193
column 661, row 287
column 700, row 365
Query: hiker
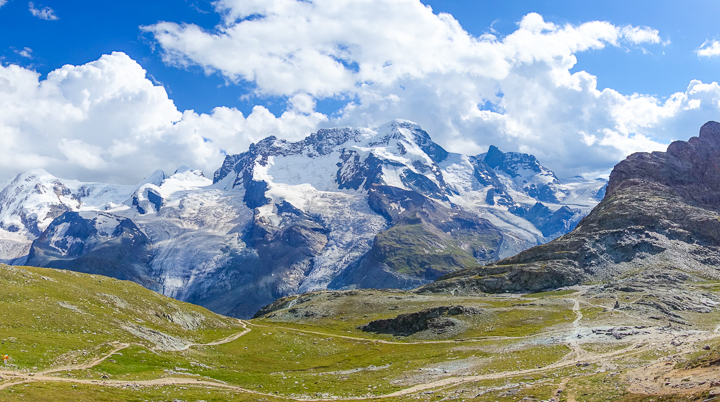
column 5, row 359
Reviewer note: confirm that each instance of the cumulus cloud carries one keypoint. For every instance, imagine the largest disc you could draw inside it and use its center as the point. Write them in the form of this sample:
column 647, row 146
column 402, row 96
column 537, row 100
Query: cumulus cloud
column 398, row 59
column 709, row 49
column 107, row 121
column 379, row 59
column 329, row 47
column 44, row 13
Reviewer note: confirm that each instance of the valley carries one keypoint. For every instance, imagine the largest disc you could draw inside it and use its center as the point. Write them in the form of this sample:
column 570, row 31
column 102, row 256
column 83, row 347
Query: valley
column 622, row 308
column 359, row 200
column 310, row 347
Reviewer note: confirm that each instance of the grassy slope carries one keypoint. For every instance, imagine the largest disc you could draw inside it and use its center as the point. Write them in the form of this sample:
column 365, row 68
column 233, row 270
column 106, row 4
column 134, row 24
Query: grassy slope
column 281, row 356
column 52, row 316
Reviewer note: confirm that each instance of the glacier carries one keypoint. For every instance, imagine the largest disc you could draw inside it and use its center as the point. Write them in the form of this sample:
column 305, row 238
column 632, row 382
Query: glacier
column 290, row 217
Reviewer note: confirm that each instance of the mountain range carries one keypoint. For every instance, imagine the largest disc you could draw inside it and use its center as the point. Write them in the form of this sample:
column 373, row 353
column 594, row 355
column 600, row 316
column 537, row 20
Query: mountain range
column 656, row 232
column 343, row 208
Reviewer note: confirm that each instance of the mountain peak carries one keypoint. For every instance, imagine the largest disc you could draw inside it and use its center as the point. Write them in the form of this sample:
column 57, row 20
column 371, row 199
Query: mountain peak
column 155, row 178
column 494, row 157
column 37, row 173
column 398, row 123
column 710, row 129
column 182, row 169
column 691, row 168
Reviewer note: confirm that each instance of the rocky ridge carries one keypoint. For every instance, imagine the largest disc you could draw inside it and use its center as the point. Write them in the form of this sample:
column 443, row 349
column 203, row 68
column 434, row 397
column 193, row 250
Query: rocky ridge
column 657, row 228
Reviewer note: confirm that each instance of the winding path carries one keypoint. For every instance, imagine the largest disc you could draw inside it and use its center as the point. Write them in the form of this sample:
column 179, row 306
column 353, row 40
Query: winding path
column 229, row 339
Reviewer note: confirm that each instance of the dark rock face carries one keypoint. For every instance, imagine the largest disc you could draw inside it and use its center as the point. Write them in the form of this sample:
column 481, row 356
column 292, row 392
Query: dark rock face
column 255, row 194
column 147, row 200
column 436, row 319
column 521, row 278
column 320, row 143
column 691, row 169
column 101, row 244
column 352, row 173
column 155, row 199
column 498, row 197
column 512, row 163
column 661, row 211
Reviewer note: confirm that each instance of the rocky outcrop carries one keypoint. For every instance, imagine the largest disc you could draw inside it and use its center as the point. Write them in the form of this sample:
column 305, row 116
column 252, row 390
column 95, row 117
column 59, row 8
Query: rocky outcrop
column 661, row 210
column 437, row 319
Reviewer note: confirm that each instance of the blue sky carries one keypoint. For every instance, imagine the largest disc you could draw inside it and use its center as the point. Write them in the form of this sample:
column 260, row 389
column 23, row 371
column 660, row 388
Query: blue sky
column 656, row 68
column 87, row 29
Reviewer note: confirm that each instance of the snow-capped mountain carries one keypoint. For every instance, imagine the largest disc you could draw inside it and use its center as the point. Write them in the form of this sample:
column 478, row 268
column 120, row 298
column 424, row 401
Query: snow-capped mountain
column 345, row 207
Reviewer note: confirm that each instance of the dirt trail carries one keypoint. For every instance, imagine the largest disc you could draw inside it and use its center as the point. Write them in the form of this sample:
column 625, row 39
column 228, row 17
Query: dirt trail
column 155, row 382
column 573, row 338
column 562, row 390
column 221, row 341
column 505, row 374
column 13, row 376
column 25, row 377
column 229, row 338
column 452, row 381
column 89, row 364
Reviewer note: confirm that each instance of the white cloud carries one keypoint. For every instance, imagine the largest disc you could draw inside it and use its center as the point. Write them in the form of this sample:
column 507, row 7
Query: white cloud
column 397, row 59
column 25, row 52
column 638, row 35
column 380, row 59
column 44, row 13
column 709, row 49
column 329, row 47
column 82, row 154
column 3, row 2
column 106, row 121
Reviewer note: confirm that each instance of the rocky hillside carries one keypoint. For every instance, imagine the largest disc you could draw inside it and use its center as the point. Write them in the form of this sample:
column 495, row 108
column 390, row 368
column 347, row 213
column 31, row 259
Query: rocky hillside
column 660, row 217
column 384, row 207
